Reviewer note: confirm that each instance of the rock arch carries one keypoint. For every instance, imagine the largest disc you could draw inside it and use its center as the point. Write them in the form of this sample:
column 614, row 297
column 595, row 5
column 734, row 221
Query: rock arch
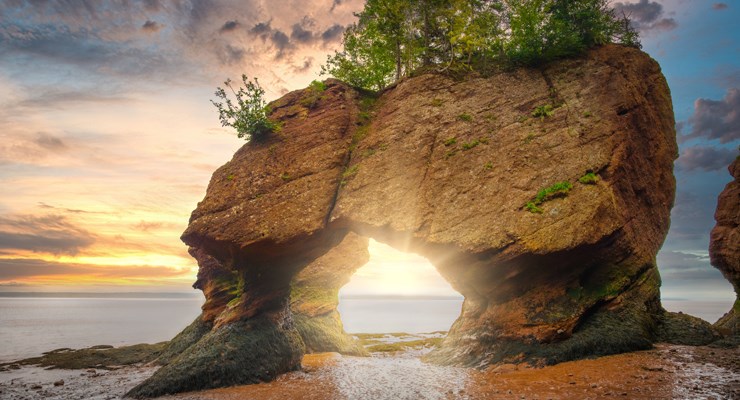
column 446, row 169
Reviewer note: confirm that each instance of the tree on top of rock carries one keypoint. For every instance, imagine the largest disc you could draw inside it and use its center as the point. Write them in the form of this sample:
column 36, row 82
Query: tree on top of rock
column 393, row 38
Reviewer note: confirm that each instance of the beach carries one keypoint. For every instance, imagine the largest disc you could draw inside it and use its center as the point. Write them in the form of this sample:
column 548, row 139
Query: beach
column 395, row 369
column 666, row 372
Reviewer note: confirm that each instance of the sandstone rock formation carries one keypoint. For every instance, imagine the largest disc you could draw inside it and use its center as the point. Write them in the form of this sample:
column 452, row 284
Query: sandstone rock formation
column 457, row 171
column 724, row 245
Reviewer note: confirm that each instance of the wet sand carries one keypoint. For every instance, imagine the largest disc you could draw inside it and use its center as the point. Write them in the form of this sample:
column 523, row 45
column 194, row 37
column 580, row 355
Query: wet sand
column 666, row 372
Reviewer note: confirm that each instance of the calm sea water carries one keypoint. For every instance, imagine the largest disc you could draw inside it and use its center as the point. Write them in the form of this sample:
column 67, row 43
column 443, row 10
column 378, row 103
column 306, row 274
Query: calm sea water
column 367, row 315
column 707, row 310
column 30, row 326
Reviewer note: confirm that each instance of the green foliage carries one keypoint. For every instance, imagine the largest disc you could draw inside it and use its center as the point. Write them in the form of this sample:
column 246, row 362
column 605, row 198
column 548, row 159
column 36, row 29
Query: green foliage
column 349, row 173
column 405, row 345
column 314, row 94
column 559, row 189
column 317, row 86
column 531, row 207
column 394, row 38
column 285, row 176
column 99, row 357
column 544, row 30
column 367, row 103
column 369, row 152
column 589, row 179
column 247, row 112
column 360, row 133
column 465, row 117
column 365, row 60
column 471, row 144
column 451, row 141
column 543, row 111
column 488, row 166
column 556, row 190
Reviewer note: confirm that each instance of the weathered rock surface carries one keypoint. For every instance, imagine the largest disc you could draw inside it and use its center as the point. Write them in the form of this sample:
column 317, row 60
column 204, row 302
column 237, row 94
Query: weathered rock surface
column 314, row 297
column 724, row 245
column 444, row 168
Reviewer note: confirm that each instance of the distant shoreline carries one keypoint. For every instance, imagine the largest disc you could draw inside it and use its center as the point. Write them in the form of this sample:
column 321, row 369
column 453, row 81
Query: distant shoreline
column 183, row 295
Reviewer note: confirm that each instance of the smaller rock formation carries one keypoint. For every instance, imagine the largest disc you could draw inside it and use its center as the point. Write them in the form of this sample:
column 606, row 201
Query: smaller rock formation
column 724, row 245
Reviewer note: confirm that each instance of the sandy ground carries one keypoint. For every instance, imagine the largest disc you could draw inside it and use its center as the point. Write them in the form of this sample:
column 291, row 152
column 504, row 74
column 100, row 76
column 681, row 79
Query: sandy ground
column 30, row 382
column 667, row 372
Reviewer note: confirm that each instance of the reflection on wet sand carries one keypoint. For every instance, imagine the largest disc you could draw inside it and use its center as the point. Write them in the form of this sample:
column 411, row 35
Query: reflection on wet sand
column 667, row 372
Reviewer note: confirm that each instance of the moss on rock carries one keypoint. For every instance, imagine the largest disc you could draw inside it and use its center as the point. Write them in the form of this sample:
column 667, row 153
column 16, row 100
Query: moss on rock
column 247, row 351
column 325, row 334
column 102, row 357
column 188, row 337
column 684, row 329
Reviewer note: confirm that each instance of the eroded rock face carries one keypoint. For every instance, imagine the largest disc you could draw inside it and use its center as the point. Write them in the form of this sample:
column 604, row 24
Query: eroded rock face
column 724, row 245
column 314, row 297
column 445, row 168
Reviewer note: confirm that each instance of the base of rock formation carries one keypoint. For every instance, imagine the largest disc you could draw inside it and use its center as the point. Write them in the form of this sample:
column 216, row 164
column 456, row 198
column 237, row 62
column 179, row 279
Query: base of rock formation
column 250, row 351
column 724, row 246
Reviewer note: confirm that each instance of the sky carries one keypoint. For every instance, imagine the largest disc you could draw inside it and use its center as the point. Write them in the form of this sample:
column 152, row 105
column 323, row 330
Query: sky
column 108, row 139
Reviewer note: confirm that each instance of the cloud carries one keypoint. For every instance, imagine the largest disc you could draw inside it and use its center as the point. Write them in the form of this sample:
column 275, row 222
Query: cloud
column 87, row 54
column 66, row 210
column 18, row 269
column 229, row 26
column 43, row 234
column 646, row 16
column 281, row 42
column 231, row 54
column 50, row 142
column 262, row 29
column 335, row 4
column 206, row 39
column 31, row 148
column 60, row 98
column 148, row 226
column 305, row 66
column 151, row 26
column 300, row 34
column 152, row 5
column 332, row 34
column 715, row 119
column 685, row 266
column 719, row 6
column 706, row 158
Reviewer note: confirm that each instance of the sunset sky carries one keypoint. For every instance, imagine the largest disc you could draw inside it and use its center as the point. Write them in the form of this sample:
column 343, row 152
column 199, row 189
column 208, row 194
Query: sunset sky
column 108, row 140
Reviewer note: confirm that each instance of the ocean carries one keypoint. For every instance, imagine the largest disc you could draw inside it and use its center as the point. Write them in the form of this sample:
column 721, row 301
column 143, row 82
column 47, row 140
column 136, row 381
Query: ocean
column 32, row 325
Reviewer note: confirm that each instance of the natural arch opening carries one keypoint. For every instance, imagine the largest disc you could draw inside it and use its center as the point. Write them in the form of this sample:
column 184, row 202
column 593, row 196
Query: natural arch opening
column 397, row 291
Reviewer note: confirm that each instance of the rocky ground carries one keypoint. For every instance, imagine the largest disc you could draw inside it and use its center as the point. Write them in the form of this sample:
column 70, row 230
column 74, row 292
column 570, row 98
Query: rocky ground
column 666, row 372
